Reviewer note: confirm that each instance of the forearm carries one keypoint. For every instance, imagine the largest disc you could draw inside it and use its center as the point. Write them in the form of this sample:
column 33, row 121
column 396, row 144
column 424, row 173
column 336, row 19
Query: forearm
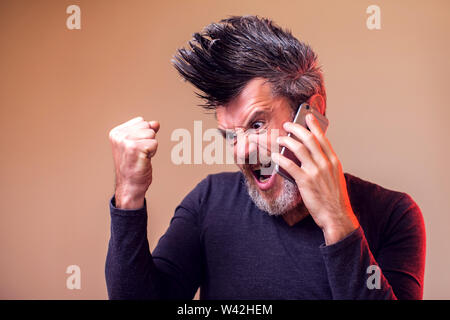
column 347, row 264
column 130, row 272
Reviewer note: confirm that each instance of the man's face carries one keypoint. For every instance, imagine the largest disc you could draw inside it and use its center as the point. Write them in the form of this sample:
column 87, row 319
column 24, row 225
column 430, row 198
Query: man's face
column 260, row 114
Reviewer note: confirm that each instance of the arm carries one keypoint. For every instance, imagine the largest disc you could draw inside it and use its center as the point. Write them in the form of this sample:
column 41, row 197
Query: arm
column 174, row 270
column 131, row 271
column 401, row 260
column 322, row 186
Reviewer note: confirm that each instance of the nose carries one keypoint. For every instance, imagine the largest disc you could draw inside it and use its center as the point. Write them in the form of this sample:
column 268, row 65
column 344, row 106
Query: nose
column 246, row 150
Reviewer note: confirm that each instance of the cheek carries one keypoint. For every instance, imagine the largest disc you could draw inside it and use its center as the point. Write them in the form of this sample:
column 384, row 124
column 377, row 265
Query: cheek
column 282, row 132
column 271, row 139
column 278, row 181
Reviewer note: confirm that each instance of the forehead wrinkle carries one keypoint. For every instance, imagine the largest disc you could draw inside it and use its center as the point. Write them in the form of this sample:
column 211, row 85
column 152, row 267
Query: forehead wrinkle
column 257, row 94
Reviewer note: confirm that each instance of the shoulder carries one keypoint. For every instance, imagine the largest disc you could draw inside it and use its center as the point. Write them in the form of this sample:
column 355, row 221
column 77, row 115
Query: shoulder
column 365, row 192
column 381, row 211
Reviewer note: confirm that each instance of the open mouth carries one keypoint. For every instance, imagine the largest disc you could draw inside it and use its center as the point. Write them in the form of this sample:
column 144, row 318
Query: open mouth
column 258, row 173
column 264, row 177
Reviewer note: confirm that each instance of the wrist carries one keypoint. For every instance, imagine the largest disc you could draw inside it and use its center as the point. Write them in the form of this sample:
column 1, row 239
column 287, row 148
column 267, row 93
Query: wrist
column 129, row 198
column 338, row 230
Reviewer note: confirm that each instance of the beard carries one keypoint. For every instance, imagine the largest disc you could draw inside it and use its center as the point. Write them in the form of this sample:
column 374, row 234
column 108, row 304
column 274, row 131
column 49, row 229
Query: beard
column 287, row 199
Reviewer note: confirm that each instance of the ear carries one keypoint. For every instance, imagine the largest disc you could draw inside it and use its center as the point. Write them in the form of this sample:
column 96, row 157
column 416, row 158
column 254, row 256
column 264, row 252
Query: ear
column 317, row 102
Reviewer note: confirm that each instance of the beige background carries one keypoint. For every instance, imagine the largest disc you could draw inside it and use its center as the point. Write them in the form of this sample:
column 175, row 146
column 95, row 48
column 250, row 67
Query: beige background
column 62, row 90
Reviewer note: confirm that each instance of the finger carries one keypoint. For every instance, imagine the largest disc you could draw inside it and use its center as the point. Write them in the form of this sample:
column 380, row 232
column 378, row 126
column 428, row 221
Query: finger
column 147, row 147
column 141, row 125
column 315, row 128
column 154, row 125
column 290, row 166
column 130, row 122
column 299, row 150
column 141, row 133
column 308, row 139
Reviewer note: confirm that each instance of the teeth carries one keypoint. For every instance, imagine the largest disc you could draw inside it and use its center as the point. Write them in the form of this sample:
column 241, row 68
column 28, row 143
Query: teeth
column 262, row 165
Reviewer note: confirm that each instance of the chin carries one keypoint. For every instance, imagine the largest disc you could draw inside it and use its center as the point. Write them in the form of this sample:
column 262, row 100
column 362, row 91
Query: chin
column 272, row 194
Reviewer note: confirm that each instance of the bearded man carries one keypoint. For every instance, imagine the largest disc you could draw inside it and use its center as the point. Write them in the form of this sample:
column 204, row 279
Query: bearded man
column 252, row 234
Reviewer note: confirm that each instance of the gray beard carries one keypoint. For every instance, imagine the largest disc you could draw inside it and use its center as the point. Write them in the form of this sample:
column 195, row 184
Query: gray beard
column 288, row 198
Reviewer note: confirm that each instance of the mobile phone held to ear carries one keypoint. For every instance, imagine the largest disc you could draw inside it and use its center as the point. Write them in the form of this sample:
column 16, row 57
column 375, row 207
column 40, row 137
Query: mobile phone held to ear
column 300, row 118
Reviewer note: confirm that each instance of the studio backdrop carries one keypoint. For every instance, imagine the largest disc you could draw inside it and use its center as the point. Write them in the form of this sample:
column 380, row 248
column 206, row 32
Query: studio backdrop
column 72, row 70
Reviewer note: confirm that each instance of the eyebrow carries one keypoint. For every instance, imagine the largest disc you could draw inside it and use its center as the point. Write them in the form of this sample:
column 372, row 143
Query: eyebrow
column 222, row 132
column 256, row 114
column 253, row 116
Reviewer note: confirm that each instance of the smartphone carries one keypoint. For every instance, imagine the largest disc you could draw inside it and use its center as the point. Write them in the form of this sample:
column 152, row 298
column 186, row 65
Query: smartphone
column 300, row 118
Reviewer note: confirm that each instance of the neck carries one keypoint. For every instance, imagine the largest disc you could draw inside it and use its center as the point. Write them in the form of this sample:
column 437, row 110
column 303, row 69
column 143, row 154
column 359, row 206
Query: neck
column 295, row 215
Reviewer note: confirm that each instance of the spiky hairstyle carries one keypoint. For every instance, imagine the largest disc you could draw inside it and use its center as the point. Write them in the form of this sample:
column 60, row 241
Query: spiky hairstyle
column 220, row 60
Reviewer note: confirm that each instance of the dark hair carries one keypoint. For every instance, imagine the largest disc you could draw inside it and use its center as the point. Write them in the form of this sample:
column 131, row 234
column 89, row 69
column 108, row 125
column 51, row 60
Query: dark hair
column 225, row 56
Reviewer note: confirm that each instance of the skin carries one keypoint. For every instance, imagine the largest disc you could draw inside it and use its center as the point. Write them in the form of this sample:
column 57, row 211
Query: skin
column 133, row 145
column 320, row 179
column 255, row 100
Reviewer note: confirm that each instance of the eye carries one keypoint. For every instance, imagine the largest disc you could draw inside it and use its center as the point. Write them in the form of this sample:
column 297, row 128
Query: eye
column 230, row 136
column 257, row 125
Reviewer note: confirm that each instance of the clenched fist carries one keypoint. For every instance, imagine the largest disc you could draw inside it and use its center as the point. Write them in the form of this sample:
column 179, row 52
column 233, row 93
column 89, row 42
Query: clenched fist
column 133, row 145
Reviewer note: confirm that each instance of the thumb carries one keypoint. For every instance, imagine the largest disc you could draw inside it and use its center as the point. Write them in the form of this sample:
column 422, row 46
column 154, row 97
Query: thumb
column 154, row 125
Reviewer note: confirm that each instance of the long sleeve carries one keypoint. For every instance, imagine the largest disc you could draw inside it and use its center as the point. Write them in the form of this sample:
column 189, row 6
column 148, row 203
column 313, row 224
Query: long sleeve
column 400, row 259
column 172, row 272
column 220, row 241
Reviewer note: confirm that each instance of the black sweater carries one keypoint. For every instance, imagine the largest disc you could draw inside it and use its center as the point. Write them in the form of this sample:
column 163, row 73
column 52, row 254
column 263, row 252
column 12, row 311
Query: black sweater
column 220, row 241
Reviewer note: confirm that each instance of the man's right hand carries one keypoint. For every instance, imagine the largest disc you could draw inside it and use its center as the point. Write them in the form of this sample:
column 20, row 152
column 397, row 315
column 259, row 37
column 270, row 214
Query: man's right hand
column 133, row 145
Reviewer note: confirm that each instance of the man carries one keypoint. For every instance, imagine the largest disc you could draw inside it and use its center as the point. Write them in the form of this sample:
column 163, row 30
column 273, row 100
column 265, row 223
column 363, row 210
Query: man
column 249, row 235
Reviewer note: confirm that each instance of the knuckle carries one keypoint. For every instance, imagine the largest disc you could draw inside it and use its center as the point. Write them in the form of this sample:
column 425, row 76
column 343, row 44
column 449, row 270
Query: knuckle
column 320, row 135
column 130, row 145
column 152, row 146
column 298, row 149
column 290, row 164
column 151, row 133
column 314, row 173
column 335, row 161
column 325, row 166
column 151, row 149
column 112, row 134
column 310, row 137
column 308, row 179
column 127, row 134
